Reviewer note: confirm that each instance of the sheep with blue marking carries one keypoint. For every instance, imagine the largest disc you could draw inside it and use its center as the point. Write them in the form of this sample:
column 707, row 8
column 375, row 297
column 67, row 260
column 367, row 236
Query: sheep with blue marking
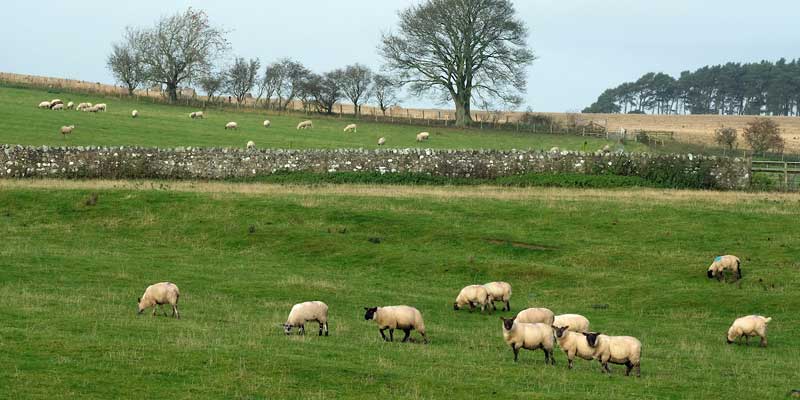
column 722, row 264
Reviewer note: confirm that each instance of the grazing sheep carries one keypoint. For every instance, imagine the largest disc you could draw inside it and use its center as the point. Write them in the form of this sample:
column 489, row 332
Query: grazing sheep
column 751, row 325
column 499, row 291
column 267, row 123
column 305, row 125
column 472, row 295
column 351, row 128
column 423, row 136
column 231, row 125
column 573, row 344
column 555, row 150
column 381, row 141
column 251, row 145
column 135, row 114
column 44, row 104
column 70, row 105
column 520, row 335
column 92, row 109
column 101, row 107
column 625, row 350
column 534, row 315
column 160, row 294
column 404, row 318
column 66, row 130
column 83, row 106
column 304, row 312
column 197, row 115
column 55, row 101
column 723, row 263
column 58, row 107
column 576, row 323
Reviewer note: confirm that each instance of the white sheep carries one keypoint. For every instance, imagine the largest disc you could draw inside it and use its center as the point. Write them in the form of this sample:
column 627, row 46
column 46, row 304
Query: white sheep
column 92, row 109
column 423, row 136
column 555, row 150
column 197, row 115
column 66, row 130
column 305, row 125
column 83, row 106
column 70, row 105
column 101, row 107
column 625, row 350
column 534, row 315
column 381, row 141
column 135, row 114
column 723, row 263
column 231, row 125
column 55, row 101
column 351, row 128
column 251, row 145
column 472, row 295
column 267, row 123
column 573, row 344
column 404, row 318
column 58, row 107
column 576, row 323
column 160, row 294
column 304, row 312
column 520, row 335
column 44, row 104
column 499, row 291
column 751, row 325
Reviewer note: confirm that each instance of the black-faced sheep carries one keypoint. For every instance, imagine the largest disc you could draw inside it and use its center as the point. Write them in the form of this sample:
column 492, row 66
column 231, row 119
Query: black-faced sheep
column 520, row 335
column 499, row 291
column 404, row 318
column 625, row 350
column 573, row 344
column 722, row 264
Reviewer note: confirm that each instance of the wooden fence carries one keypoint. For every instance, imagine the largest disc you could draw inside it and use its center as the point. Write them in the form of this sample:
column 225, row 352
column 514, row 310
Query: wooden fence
column 789, row 172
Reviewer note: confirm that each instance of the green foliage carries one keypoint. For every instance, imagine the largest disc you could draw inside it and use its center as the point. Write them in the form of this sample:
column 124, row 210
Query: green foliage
column 725, row 137
column 763, row 134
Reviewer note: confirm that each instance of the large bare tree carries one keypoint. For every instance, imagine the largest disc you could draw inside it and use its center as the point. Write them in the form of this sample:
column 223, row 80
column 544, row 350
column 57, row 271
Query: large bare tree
column 355, row 82
column 180, row 48
column 241, row 77
column 385, row 91
column 461, row 49
column 125, row 62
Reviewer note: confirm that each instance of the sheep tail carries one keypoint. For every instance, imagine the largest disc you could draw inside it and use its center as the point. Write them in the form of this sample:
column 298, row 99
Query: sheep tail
column 768, row 320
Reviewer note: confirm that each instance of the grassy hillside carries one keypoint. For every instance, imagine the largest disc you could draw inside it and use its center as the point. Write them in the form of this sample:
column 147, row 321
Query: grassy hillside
column 632, row 261
column 169, row 126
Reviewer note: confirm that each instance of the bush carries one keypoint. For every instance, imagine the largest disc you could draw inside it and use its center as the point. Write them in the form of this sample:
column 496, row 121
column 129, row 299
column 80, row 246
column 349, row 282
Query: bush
column 643, row 137
column 762, row 135
column 725, row 137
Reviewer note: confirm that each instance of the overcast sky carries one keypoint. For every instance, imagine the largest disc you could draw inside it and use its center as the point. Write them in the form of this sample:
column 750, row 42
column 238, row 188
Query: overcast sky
column 584, row 46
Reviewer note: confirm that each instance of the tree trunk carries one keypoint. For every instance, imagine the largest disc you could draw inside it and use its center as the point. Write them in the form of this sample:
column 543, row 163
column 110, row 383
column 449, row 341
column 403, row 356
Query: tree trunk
column 172, row 91
column 463, row 113
column 130, row 90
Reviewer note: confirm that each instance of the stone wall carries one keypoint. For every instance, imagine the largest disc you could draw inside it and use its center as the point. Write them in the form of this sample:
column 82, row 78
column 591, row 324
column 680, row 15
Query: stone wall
column 214, row 163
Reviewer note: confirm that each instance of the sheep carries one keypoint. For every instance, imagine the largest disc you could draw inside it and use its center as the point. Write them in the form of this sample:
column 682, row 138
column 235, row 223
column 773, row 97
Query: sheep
column 723, row 263
column 534, row 315
column 404, row 318
column 160, row 294
column 381, row 141
column 101, row 107
column 70, row 105
column 55, row 101
column 555, row 150
column 135, row 114
column 231, row 125
column 606, row 149
column 92, row 109
column 267, row 123
column 423, row 136
column 520, row 335
column 58, row 107
column 251, row 145
column 83, row 106
column 625, row 350
column 304, row 312
column 305, row 125
column 44, row 104
column 499, row 291
column 751, row 325
column 197, row 115
column 351, row 128
column 66, row 130
column 573, row 344
column 576, row 323
column 472, row 295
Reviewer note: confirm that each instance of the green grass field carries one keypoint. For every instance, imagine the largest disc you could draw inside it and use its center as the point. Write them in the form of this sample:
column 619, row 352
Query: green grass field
column 169, row 126
column 632, row 261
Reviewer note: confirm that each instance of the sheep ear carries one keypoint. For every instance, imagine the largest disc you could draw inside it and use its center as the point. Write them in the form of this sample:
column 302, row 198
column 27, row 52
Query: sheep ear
column 366, row 308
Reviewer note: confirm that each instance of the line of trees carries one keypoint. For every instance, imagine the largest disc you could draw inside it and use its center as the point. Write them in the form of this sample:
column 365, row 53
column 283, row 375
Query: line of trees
column 765, row 88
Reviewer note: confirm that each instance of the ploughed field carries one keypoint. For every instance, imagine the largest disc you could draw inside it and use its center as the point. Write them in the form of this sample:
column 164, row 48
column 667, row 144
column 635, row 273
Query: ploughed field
column 632, row 261
column 21, row 122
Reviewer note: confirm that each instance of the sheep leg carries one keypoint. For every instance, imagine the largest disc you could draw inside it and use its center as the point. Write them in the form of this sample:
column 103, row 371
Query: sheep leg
column 382, row 335
column 508, row 305
column 471, row 306
column 638, row 370
column 155, row 309
column 391, row 335
column 326, row 329
column 424, row 337
column 320, row 328
column 606, row 368
column 629, row 367
column 516, row 352
column 175, row 312
column 408, row 333
column 763, row 341
column 302, row 330
column 570, row 363
column 746, row 340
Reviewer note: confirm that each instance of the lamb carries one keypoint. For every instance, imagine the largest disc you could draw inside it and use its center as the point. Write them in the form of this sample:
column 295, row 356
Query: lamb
column 305, row 125
column 58, row 107
column 534, row 315
column 422, row 136
column 160, row 294
column 267, row 123
column 499, row 291
column 44, row 104
column 723, row 263
column 381, row 141
column 520, row 335
column 70, row 105
column 251, row 145
column 197, row 115
column 573, row 344
column 472, row 295
column 66, row 130
column 351, row 128
column 231, row 125
column 625, row 350
column 575, row 322
column 304, row 312
column 751, row 325
column 101, row 107
column 135, row 114
column 404, row 318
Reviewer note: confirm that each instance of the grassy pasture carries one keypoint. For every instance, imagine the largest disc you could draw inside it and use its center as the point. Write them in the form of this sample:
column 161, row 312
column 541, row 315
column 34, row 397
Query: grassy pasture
column 169, row 126
column 632, row 261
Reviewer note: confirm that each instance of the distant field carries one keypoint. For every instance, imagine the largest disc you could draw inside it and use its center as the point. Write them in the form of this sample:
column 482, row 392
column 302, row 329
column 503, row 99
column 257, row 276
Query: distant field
column 169, row 126
column 632, row 261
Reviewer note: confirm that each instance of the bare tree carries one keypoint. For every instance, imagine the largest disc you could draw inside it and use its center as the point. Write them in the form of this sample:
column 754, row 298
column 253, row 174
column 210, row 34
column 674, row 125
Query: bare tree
column 295, row 76
column 180, row 48
column 461, row 49
column 725, row 137
column 763, row 134
column 125, row 63
column 241, row 77
column 355, row 83
column 385, row 91
column 329, row 91
column 268, row 83
column 212, row 83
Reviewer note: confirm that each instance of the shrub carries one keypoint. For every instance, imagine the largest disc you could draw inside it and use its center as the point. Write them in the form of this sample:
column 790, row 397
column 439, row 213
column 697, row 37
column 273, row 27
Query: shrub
column 763, row 134
column 725, row 137
column 643, row 137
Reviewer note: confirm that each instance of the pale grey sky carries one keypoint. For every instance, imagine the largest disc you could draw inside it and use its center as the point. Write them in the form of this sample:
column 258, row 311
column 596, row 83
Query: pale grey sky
column 584, row 46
